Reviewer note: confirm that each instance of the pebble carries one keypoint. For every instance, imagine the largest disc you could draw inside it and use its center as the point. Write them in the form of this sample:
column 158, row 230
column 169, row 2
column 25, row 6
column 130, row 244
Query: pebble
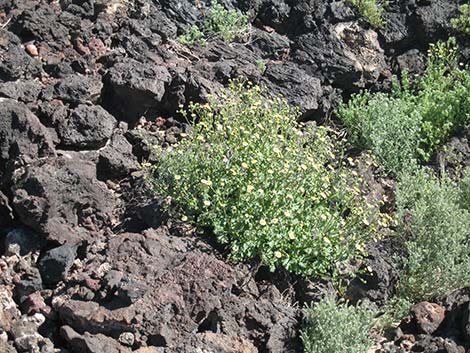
column 32, row 49
column 127, row 338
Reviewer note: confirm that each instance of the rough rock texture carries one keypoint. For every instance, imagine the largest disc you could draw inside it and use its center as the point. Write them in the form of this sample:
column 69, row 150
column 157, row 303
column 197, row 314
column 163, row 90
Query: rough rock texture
column 22, row 136
column 55, row 264
column 133, row 88
column 78, row 89
column 87, row 127
column 61, row 198
column 15, row 62
column 116, row 160
column 427, row 316
column 164, row 272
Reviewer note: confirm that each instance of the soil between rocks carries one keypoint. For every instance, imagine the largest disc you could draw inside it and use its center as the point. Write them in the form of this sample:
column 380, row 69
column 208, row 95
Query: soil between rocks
column 88, row 261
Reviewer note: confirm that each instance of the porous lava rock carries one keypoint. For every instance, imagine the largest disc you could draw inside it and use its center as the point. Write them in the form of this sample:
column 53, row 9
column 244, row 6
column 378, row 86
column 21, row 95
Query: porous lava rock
column 61, row 198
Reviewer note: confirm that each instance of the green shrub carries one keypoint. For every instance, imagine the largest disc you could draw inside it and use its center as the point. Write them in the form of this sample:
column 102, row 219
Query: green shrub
column 261, row 65
column 462, row 23
column 386, row 124
column 436, row 232
column 465, row 190
column 372, row 10
column 227, row 24
column 410, row 123
column 267, row 188
column 193, row 36
column 332, row 327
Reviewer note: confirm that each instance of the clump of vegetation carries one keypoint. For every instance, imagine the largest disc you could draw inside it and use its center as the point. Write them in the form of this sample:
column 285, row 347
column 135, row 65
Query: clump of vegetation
column 194, row 35
column 227, row 24
column 462, row 23
column 436, row 231
column 409, row 124
column 465, row 190
column 372, row 10
column 337, row 327
column 261, row 65
column 266, row 185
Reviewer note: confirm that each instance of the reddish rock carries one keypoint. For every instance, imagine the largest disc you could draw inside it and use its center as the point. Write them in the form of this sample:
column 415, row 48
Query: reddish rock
column 93, row 284
column 32, row 49
column 427, row 316
column 81, row 48
column 34, row 303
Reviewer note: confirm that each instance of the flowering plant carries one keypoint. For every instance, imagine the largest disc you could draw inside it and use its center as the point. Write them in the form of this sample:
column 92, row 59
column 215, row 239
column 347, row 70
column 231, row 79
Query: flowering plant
column 266, row 185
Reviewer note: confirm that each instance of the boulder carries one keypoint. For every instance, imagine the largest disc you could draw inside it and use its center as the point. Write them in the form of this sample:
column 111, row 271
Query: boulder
column 87, row 127
column 24, row 239
column 23, row 91
column 55, row 264
column 427, row 316
column 88, row 343
column 61, row 198
column 42, row 24
column 22, row 136
column 116, row 160
column 78, row 89
column 194, row 296
column 133, row 88
column 15, row 63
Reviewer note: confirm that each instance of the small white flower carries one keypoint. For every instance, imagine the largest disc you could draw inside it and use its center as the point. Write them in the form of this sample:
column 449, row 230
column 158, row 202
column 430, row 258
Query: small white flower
column 207, row 203
column 206, row 182
column 262, row 222
column 177, row 177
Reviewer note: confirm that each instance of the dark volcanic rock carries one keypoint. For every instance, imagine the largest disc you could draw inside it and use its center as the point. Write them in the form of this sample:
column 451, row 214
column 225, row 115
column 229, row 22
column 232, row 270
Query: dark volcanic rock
column 55, row 264
column 88, row 343
column 466, row 322
column 78, row 89
column 42, row 24
column 377, row 281
column 347, row 56
column 133, row 88
column 190, row 291
column 23, row 91
column 116, row 160
column 301, row 89
column 87, row 127
column 6, row 212
column 454, row 156
column 15, row 63
column 25, row 239
column 22, row 136
column 31, row 282
column 433, row 20
column 60, row 196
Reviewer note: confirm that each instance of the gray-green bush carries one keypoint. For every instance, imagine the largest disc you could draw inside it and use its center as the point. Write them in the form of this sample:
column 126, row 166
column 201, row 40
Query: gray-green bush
column 223, row 23
column 408, row 124
column 332, row 327
column 436, row 233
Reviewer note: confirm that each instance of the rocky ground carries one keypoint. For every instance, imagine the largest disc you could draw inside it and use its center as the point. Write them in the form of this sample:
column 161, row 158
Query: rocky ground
column 88, row 261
